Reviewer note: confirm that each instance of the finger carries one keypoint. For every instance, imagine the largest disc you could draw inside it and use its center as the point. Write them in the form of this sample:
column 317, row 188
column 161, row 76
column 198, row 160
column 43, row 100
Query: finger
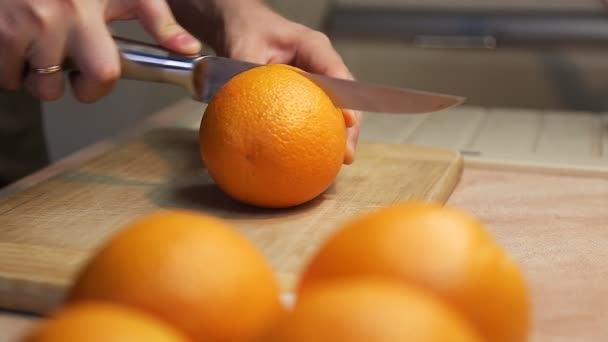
column 14, row 43
column 157, row 18
column 351, row 145
column 353, row 133
column 96, row 57
column 316, row 54
column 48, row 50
column 350, row 118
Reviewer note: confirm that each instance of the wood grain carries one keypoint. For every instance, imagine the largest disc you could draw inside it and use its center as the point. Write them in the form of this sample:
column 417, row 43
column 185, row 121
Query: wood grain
column 35, row 272
column 556, row 228
column 550, row 214
column 554, row 225
column 48, row 230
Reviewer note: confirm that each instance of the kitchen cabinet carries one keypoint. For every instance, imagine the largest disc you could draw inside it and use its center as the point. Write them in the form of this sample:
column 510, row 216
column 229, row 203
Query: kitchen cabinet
column 541, row 55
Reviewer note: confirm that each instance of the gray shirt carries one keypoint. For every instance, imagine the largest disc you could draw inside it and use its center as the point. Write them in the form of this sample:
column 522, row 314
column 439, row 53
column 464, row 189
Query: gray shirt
column 22, row 141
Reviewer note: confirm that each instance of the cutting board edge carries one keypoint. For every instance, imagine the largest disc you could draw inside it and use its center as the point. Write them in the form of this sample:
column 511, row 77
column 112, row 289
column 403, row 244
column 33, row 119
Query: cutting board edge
column 451, row 181
column 35, row 297
column 451, row 178
column 456, row 154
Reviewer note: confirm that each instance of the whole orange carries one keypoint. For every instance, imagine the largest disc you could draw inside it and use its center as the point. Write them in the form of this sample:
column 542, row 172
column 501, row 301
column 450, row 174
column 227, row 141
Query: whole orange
column 102, row 322
column 442, row 249
column 371, row 310
column 191, row 270
column 271, row 137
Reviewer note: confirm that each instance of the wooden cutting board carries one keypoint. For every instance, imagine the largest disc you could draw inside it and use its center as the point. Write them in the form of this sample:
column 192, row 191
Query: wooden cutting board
column 47, row 231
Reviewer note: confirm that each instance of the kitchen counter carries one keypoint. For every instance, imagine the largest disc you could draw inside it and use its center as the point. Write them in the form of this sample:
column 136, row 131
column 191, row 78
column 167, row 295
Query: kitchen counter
column 553, row 220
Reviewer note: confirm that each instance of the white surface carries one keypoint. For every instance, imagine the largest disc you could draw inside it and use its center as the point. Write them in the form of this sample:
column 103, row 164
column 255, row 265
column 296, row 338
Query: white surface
column 575, row 139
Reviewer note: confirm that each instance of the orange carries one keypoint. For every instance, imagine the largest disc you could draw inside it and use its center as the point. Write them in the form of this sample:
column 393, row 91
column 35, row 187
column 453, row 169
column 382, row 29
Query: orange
column 102, row 322
column 189, row 269
column 272, row 138
column 372, row 310
column 438, row 248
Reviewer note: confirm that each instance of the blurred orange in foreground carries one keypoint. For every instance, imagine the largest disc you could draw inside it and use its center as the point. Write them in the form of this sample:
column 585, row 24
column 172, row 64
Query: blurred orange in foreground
column 191, row 270
column 437, row 248
column 102, row 322
column 372, row 310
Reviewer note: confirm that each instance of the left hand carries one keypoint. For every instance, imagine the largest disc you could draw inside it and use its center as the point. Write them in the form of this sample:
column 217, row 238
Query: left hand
column 253, row 32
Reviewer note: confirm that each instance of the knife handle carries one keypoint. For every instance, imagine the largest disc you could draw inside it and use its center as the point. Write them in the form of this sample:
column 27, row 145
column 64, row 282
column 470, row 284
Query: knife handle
column 146, row 62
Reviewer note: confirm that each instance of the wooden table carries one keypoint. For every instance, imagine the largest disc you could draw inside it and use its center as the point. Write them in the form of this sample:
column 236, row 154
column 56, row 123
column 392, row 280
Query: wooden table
column 553, row 221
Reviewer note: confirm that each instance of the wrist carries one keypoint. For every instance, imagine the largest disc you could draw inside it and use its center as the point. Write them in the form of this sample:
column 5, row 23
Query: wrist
column 208, row 19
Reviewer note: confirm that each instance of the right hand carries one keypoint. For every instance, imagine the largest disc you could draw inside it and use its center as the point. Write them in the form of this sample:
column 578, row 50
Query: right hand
column 255, row 33
column 42, row 34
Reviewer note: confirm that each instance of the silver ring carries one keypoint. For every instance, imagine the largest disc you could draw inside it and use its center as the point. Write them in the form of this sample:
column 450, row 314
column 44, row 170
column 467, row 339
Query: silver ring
column 49, row 70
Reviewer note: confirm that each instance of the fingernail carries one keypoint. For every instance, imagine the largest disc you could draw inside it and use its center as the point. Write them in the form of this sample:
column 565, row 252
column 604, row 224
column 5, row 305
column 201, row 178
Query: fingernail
column 352, row 142
column 353, row 139
column 355, row 118
column 349, row 118
column 349, row 156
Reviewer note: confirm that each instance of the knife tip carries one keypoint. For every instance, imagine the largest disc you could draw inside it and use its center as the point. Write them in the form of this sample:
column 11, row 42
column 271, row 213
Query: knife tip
column 452, row 102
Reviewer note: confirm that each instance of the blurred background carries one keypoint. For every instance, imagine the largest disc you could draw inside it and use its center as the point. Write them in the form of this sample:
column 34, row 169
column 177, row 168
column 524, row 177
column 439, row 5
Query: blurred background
column 525, row 55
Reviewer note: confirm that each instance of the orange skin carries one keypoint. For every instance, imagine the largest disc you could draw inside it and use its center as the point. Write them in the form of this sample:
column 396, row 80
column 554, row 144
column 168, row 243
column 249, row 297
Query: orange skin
column 440, row 249
column 371, row 310
column 193, row 271
column 272, row 138
column 102, row 322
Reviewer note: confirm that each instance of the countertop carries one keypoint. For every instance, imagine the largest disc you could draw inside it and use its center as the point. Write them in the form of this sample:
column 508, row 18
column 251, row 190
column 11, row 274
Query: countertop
column 552, row 220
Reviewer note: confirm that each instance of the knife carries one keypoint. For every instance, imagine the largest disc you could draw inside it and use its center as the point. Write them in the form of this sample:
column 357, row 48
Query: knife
column 203, row 75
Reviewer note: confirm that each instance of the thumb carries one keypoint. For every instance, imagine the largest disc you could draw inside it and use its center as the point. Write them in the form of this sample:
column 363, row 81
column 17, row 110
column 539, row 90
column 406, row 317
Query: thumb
column 158, row 20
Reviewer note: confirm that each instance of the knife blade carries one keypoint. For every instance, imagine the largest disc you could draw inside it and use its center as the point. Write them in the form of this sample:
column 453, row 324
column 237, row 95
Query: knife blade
column 214, row 72
column 204, row 75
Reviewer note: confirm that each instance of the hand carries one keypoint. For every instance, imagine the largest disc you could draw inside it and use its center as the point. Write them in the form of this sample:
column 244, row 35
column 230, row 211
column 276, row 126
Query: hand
column 254, row 33
column 43, row 33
